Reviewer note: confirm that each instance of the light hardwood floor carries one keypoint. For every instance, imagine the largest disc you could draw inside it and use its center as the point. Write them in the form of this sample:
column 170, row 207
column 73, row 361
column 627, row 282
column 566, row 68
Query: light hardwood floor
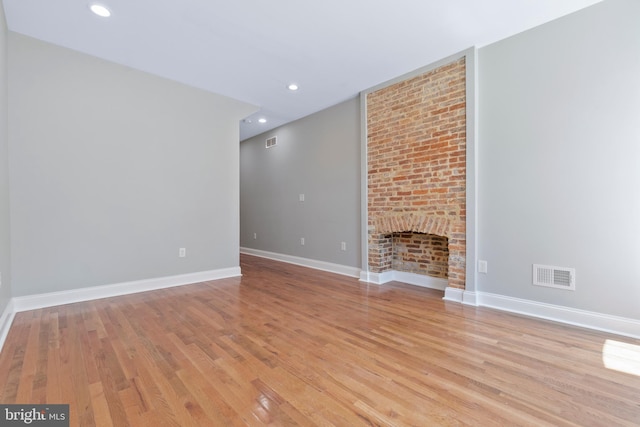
column 285, row 345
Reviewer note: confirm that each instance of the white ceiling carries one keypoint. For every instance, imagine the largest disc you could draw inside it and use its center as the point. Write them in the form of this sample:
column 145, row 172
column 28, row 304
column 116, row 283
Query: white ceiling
column 251, row 50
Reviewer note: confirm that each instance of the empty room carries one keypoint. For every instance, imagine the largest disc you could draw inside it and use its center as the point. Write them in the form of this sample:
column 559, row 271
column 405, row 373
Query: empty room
column 249, row 213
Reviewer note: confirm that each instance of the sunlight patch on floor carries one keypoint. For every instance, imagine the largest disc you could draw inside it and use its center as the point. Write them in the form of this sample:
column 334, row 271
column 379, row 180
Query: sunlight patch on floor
column 621, row 356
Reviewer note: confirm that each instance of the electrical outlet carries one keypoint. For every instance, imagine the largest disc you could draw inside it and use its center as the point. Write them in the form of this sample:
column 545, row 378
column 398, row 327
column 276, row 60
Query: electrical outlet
column 302, row 241
column 482, row 266
column 301, row 197
column 343, row 246
column 182, row 252
column 255, row 236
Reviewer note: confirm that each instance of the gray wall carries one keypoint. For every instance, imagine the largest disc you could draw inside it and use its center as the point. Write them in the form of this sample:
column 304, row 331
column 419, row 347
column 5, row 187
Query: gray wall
column 559, row 159
column 317, row 156
column 112, row 170
column 5, row 258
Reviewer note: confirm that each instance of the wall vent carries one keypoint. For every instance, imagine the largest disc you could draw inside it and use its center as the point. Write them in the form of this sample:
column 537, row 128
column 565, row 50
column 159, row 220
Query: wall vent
column 271, row 142
column 554, row 277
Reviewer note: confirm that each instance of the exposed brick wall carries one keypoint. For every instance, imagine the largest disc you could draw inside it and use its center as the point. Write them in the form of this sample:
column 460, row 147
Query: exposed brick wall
column 416, row 148
column 380, row 252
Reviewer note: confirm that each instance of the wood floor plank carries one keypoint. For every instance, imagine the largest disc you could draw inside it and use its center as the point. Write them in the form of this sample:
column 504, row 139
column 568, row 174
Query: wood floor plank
column 285, row 345
column 100, row 405
column 28, row 368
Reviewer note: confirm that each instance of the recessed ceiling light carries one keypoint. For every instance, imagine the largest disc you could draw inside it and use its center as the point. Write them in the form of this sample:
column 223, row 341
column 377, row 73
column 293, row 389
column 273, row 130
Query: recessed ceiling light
column 262, row 120
column 100, row 10
column 293, row 87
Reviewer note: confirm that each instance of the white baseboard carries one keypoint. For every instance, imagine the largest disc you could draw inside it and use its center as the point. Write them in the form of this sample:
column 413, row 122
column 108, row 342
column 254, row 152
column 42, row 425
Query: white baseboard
column 376, row 278
column 557, row 313
column 33, row 302
column 344, row 270
column 592, row 320
column 470, row 298
column 453, row 294
column 404, row 277
column 5, row 322
column 572, row 316
column 588, row 319
column 364, row 276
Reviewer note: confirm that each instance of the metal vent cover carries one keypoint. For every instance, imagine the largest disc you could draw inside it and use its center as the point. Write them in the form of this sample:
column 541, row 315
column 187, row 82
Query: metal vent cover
column 554, row 277
column 271, row 142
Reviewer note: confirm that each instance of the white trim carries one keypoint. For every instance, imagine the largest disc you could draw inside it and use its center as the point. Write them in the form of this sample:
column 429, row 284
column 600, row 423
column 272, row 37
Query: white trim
column 460, row 295
column 5, row 322
column 470, row 298
column 364, row 185
column 33, row 302
column 593, row 320
column 378, row 278
column 344, row 270
column 471, row 234
column 364, row 276
column 404, row 277
column 572, row 316
column 453, row 294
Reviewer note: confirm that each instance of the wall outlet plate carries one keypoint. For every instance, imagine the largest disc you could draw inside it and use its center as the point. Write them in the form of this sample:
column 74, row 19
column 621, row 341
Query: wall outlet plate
column 482, row 266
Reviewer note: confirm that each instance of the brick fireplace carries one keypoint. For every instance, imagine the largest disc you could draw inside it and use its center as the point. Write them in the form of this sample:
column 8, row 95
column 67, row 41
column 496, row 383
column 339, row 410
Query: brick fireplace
column 416, row 175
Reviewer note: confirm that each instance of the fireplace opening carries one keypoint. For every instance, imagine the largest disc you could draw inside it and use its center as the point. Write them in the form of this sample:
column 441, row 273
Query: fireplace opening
column 433, row 247
column 420, row 253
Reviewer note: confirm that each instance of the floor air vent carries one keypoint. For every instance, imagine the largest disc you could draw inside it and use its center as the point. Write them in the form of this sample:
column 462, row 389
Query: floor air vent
column 271, row 142
column 554, row 277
